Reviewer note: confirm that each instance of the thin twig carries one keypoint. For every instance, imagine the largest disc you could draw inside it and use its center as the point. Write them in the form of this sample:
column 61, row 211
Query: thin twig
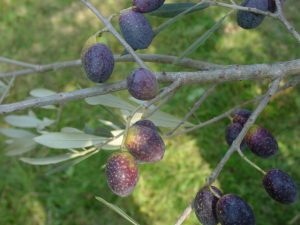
column 195, row 107
column 285, row 22
column 17, row 63
column 242, row 8
column 184, row 215
column 8, row 87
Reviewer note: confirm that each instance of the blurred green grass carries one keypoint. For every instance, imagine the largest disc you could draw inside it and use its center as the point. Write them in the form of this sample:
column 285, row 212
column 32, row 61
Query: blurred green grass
column 48, row 31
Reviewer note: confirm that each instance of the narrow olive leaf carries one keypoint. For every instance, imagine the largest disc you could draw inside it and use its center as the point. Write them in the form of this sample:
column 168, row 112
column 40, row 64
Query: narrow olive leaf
column 16, row 133
column 20, row 146
column 41, row 92
column 2, row 84
column 162, row 119
column 22, row 121
column 116, row 143
column 110, row 101
column 202, row 38
column 28, row 121
column 117, row 210
column 109, row 124
column 50, row 160
column 2, row 87
column 68, row 140
column 186, row 10
column 70, row 130
column 45, row 123
column 136, row 117
column 67, row 165
column 173, row 9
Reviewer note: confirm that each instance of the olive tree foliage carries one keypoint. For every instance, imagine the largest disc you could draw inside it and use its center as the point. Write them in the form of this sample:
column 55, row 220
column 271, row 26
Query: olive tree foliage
column 81, row 145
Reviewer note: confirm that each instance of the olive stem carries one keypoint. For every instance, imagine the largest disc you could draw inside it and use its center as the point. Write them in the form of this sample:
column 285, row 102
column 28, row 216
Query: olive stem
column 214, row 192
column 250, row 162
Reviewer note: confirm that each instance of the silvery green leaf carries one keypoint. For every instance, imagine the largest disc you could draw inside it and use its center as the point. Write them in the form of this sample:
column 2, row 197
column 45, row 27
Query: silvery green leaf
column 162, row 119
column 70, row 130
column 116, row 132
column 137, row 101
column 109, row 124
column 195, row 94
column 23, row 121
column 115, row 143
column 117, row 210
column 68, row 140
column 41, row 92
column 69, row 164
column 49, row 107
column 136, row 117
column 45, row 123
column 2, row 87
column 20, row 146
column 16, row 133
column 110, row 101
column 50, row 159
column 2, row 84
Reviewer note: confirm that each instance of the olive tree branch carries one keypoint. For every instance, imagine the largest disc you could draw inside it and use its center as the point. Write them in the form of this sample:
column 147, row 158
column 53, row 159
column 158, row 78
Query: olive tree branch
column 113, row 31
column 155, row 58
column 231, row 73
column 235, row 145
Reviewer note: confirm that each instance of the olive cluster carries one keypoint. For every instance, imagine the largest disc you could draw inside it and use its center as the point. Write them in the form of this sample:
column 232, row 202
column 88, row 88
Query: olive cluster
column 212, row 207
column 98, row 60
column 144, row 145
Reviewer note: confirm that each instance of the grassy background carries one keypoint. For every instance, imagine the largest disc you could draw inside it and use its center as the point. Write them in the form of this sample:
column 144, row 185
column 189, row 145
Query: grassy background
column 48, row 31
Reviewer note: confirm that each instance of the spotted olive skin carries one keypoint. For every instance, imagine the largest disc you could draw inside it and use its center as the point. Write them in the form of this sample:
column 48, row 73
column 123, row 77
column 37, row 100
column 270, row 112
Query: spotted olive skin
column 241, row 116
column 280, row 186
column 250, row 20
column 136, row 29
column 205, row 206
column 145, row 6
column 142, row 84
column 145, row 144
column 232, row 131
column 146, row 123
column 98, row 62
column 232, row 210
column 122, row 173
column 261, row 142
